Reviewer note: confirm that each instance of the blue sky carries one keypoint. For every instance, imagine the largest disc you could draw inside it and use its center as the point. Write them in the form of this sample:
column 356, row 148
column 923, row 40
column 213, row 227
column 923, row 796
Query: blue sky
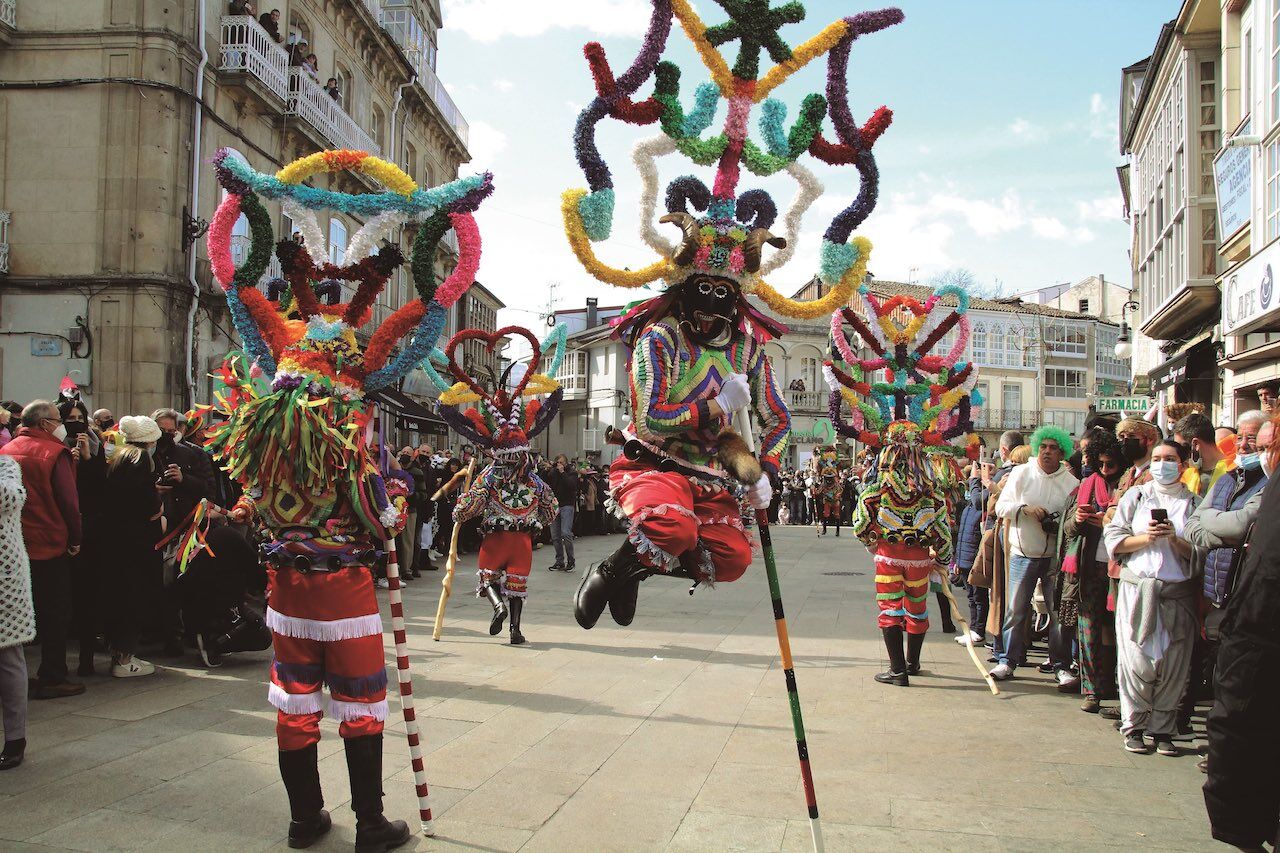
column 1001, row 157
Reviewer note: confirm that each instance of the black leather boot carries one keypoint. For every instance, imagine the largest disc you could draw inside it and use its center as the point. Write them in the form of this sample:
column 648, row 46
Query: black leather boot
column 516, row 605
column 374, row 833
column 499, row 608
column 302, row 782
column 897, row 672
column 914, row 643
column 614, row 581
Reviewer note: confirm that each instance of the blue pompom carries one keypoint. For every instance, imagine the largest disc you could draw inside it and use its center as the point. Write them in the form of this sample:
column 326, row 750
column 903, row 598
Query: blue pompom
column 596, row 210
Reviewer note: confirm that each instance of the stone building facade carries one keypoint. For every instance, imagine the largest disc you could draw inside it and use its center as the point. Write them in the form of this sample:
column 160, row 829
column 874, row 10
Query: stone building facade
column 109, row 115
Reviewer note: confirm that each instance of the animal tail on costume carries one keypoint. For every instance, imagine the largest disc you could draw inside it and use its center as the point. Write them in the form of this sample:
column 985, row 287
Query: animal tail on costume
column 406, row 690
column 784, row 647
column 735, row 455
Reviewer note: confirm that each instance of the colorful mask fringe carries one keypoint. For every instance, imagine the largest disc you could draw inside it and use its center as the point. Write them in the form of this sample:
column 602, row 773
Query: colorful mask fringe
column 917, row 420
column 724, row 230
column 500, row 420
column 304, row 430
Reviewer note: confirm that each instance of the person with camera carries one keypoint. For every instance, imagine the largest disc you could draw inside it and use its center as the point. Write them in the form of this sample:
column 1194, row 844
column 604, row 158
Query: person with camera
column 1033, row 499
column 87, row 449
column 1155, row 601
column 134, row 514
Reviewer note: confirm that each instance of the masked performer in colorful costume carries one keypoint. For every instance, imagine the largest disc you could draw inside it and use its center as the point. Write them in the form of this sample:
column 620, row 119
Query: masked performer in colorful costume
column 298, row 446
column 512, row 501
column 697, row 350
column 918, row 423
column 828, row 488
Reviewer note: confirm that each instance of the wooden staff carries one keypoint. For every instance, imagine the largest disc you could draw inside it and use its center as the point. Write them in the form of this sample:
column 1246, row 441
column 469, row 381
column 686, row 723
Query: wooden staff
column 968, row 635
column 447, row 581
column 784, row 648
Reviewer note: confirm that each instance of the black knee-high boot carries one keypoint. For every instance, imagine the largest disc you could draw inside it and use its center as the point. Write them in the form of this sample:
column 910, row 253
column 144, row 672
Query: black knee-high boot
column 301, row 778
column 914, row 643
column 499, row 608
column 897, row 672
column 374, row 833
column 516, row 605
column 614, row 582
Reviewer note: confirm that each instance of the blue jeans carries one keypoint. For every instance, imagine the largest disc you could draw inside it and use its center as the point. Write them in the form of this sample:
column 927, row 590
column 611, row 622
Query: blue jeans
column 562, row 535
column 1021, row 586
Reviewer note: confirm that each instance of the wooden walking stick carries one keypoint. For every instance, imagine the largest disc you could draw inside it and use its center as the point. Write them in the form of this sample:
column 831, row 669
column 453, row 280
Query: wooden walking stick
column 447, row 581
column 968, row 635
column 784, row 648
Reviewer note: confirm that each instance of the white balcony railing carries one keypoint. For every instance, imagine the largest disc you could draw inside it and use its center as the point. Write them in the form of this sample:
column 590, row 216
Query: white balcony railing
column 313, row 105
column 9, row 12
column 373, row 7
column 247, row 47
column 409, row 33
column 4, row 240
column 240, row 244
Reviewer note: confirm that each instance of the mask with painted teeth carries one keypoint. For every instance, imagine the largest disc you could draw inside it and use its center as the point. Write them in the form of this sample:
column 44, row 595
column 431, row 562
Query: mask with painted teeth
column 708, row 307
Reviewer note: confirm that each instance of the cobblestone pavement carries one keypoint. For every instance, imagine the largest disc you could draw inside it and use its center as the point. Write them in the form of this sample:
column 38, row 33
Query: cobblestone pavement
column 673, row 734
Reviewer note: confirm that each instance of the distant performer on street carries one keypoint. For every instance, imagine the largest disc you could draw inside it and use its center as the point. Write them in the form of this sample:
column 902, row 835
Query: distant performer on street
column 917, row 422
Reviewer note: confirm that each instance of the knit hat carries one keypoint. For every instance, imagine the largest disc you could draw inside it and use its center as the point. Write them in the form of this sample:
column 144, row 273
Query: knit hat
column 139, row 429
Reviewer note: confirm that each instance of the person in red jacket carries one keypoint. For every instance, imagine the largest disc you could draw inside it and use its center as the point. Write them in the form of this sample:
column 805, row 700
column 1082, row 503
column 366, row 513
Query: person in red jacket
column 51, row 528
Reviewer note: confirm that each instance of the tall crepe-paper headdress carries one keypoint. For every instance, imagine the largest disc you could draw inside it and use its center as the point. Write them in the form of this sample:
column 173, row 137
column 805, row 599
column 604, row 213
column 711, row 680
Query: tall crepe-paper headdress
column 925, row 398
column 324, row 351
column 504, row 413
column 726, row 230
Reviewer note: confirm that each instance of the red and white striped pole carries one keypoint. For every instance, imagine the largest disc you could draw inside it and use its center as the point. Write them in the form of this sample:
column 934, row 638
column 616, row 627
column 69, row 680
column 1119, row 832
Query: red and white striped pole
column 406, row 688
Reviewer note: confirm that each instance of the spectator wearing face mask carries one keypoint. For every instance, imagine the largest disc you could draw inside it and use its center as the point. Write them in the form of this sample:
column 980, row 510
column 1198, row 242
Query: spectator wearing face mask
column 1208, row 463
column 1221, row 526
column 1155, row 601
column 135, row 518
column 52, row 531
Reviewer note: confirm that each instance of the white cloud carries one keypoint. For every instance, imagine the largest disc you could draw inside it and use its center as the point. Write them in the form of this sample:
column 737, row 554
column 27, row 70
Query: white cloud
column 490, row 20
column 1102, row 118
column 486, row 143
column 1107, row 208
column 1026, row 131
column 1050, row 227
column 503, row 85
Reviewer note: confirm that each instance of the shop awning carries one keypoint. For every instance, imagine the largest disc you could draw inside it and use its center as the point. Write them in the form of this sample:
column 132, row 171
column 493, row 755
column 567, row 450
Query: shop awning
column 1169, row 374
column 409, row 413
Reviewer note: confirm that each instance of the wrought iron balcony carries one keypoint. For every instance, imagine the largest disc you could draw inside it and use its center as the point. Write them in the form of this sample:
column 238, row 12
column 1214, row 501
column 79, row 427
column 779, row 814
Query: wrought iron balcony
column 1003, row 419
column 310, row 102
column 247, row 48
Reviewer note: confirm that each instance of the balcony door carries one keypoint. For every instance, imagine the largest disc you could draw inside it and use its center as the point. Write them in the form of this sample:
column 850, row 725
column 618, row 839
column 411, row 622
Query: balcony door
column 1011, row 405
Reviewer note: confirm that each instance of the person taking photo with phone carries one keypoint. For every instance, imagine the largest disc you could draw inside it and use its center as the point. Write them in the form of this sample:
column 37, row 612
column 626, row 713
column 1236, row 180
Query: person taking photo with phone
column 1155, row 604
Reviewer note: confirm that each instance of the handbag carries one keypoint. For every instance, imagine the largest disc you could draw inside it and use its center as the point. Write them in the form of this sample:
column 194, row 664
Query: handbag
column 984, row 562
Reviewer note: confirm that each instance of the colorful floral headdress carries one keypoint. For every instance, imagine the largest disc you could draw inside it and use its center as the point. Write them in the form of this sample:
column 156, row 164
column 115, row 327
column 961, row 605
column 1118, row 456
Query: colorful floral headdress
column 726, row 235
column 924, row 399
column 322, row 350
column 504, row 413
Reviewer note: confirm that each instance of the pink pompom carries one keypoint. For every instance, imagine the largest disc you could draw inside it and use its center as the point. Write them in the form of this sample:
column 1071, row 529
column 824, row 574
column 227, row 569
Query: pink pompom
column 219, row 241
column 736, row 260
column 256, row 370
column 464, row 275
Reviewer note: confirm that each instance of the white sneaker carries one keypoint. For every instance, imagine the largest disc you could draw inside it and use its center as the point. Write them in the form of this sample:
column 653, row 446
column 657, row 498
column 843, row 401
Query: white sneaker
column 1001, row 672
column 133, row 668
column 383, row 583
column 972, row 635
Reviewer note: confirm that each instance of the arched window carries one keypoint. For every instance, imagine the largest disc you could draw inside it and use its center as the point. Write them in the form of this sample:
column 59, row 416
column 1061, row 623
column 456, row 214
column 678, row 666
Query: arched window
column 299, row 31
column 411, row 160
column 809, row 372
column 996, row 351
column 981, row 353
column 346, row 85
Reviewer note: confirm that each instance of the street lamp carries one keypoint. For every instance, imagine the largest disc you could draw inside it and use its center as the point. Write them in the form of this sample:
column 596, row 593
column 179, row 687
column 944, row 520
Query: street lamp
column 1124, row 345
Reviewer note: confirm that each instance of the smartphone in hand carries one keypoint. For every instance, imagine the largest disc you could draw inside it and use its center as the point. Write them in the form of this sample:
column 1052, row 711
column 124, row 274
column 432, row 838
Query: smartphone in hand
column 1160, row 515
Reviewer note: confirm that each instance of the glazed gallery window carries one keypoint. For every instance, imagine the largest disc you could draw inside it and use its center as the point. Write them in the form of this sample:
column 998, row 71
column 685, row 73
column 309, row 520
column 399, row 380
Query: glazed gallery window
column 1064, row 384
column 337, row 241
column 1071, row 421
column 1066, row 339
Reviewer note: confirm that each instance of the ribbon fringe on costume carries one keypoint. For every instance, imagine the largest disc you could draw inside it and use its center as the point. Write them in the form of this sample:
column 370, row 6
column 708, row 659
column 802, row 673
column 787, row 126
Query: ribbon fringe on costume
column 294, row 703
column 348, row 711
column 324, row 631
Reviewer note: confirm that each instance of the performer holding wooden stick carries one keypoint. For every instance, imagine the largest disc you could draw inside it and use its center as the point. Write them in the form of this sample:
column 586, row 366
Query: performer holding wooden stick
column 298, row 445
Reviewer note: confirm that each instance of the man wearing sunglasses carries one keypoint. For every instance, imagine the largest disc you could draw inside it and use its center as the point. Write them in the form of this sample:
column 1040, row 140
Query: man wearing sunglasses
column 51, row 529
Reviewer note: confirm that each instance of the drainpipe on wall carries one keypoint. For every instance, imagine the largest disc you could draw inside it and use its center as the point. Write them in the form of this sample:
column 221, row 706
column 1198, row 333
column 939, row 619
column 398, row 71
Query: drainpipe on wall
column 198, row 113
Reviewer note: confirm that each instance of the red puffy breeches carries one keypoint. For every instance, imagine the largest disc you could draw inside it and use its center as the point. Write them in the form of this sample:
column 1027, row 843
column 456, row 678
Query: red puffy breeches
column 675, row 522
column 326, row 630
column 506, row 556
column 902, row 586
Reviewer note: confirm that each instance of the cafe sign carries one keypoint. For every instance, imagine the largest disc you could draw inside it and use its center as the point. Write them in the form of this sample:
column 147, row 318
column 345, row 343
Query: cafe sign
column 1249, row 293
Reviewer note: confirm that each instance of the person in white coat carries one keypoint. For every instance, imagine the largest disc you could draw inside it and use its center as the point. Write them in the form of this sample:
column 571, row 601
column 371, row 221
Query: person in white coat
column 17, row 614
column 1155, row 602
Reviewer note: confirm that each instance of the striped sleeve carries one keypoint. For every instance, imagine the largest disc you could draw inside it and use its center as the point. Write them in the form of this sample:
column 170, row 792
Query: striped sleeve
column 472, row 502
column 653, row 366
column 771, row 411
